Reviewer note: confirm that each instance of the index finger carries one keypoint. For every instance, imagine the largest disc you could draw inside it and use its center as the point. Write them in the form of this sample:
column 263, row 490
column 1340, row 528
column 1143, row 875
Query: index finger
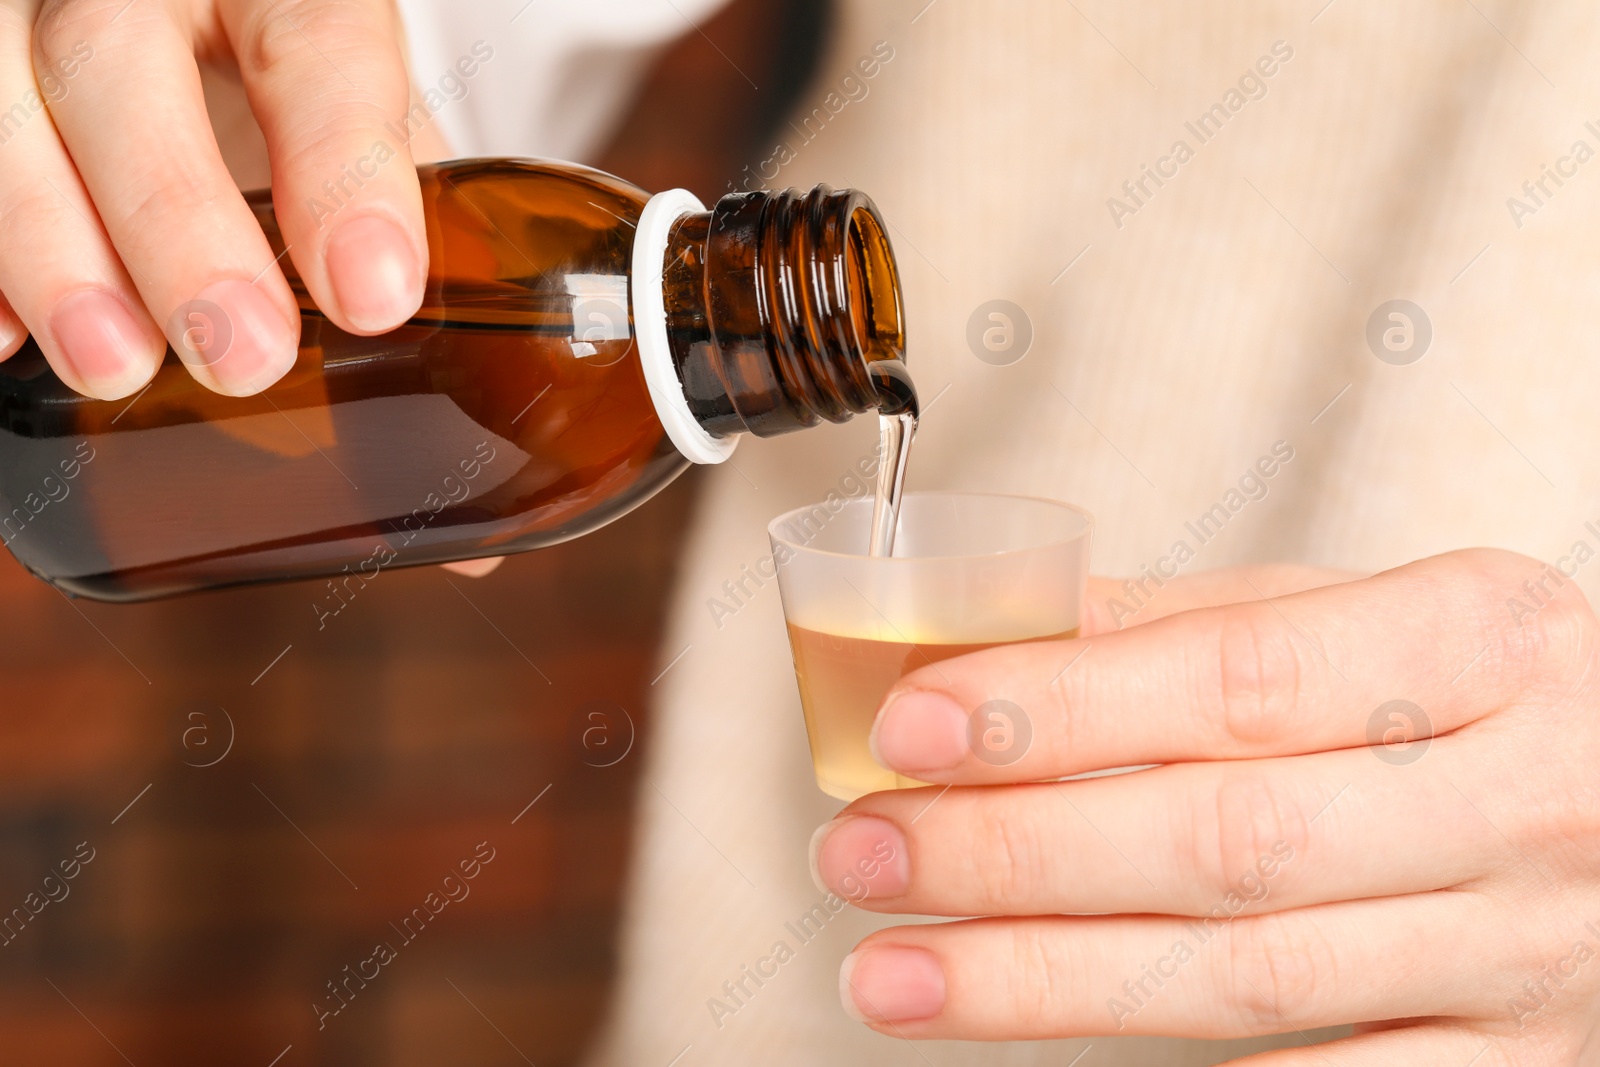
column 136, row 127
column 1433, row 642
column 328, row 85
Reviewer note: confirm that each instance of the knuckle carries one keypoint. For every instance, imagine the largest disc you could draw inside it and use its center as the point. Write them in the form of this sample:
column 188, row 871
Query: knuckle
column 1541, row 626
column 64, row 28
column 29, row 212
column 279, row 36
column 335, row 158
column 1058, row 731
column 1563, row 819
column 1013, row 871
column 1260, row 675
column 1259, row 827
column 1040, row 977
column 169, row 204
column 1279, row 966
column 1566, row 640
column 15, row 24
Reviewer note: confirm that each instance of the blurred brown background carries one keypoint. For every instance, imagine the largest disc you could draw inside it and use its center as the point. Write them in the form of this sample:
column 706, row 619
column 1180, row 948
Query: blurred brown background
column 366, row 763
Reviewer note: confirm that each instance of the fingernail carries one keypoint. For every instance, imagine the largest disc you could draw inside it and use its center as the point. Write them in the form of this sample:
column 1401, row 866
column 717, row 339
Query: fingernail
column 11, row 334
column 891, row 984
column 374, row 272
column 919, row 732
column 233, row 338
column 857, row 856
column 102, row 344
column 474, row 568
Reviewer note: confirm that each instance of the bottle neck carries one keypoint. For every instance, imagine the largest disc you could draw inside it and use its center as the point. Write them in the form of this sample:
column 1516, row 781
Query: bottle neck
column 778, row 305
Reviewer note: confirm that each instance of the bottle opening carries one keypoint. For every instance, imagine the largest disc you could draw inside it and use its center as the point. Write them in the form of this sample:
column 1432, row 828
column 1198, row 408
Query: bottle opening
column 783, row 310
column 880, row 333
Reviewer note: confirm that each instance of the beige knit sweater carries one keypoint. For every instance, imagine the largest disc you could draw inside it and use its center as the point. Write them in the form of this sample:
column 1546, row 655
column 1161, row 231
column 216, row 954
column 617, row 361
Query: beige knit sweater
column 1180, row 329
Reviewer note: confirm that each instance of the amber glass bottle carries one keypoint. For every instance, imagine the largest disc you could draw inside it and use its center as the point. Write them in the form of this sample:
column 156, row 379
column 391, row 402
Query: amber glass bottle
column 579, row 345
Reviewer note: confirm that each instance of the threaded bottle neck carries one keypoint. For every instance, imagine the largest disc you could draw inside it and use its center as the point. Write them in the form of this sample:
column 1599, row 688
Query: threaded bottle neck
column 778, row 305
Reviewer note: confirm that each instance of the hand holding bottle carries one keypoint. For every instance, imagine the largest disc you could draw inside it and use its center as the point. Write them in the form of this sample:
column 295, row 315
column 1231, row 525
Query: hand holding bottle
column 533, row 396
column 123, row 230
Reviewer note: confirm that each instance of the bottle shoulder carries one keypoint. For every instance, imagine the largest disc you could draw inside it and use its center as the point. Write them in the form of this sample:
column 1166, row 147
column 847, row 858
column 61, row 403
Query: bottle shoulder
column 534, row 172
column 533, row 175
